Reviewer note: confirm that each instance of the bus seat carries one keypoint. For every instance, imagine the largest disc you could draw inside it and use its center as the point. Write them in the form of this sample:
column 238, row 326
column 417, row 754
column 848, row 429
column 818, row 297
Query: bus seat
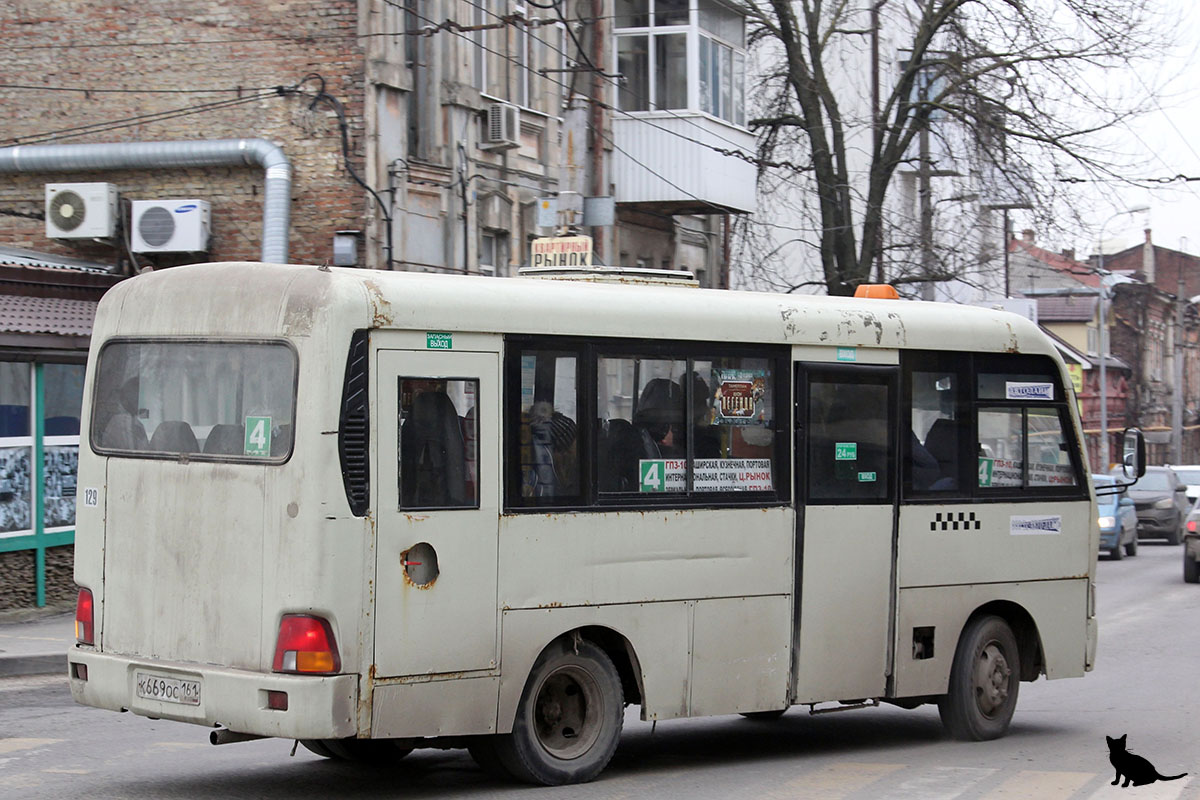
column 124, row 432
column 942, row 444
column 433, row 454
column 226, row 439
column 174, row 436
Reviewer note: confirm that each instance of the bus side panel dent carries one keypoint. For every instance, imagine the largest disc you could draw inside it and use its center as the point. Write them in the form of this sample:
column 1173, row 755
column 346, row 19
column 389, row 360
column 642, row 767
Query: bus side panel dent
column 1058, row 610
column 658, row 632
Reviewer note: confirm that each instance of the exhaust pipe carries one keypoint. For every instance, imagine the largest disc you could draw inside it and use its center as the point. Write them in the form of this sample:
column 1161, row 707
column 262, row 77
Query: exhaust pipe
column 226, row 736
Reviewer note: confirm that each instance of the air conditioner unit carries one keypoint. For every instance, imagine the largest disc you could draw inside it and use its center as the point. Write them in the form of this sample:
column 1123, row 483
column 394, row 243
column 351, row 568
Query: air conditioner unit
column 170, row 226
column 503, row 127
column 81, row 210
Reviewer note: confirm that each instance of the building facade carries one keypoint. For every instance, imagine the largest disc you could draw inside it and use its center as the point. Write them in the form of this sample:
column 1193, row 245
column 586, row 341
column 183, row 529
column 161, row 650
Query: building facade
column 422, row 135
column 1152, row 342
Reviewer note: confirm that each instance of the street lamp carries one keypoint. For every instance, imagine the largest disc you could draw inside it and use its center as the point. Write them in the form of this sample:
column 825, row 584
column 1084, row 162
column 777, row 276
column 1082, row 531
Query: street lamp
column 1104, row 455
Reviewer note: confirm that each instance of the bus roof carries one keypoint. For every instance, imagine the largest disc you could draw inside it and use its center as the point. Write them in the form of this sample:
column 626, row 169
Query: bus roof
column 255, row 299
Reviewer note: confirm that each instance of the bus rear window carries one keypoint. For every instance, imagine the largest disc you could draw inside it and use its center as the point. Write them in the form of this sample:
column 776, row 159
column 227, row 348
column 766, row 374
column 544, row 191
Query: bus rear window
column 207, row 400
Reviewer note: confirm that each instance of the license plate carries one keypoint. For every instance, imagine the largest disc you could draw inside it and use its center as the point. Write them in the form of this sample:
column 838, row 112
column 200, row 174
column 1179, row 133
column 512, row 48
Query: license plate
column 167, row 689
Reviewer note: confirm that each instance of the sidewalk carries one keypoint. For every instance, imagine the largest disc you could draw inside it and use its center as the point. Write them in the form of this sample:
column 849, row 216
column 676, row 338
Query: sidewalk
column 37, row 646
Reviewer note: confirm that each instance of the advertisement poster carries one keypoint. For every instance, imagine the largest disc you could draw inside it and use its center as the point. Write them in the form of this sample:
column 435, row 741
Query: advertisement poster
column 740, row 398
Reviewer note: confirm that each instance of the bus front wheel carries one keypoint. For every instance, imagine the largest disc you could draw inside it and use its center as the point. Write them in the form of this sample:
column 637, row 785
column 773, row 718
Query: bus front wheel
column 569, row 718
column 984, row 679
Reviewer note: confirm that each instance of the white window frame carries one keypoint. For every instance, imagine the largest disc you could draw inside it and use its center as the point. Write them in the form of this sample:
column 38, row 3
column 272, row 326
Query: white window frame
column 693, row 33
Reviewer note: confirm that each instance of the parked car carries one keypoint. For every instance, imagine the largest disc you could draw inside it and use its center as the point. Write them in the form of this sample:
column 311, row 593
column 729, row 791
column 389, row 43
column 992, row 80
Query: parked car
column 1160, row 500
column 1190, row 475
column 1191, row 545
column 1118, row 520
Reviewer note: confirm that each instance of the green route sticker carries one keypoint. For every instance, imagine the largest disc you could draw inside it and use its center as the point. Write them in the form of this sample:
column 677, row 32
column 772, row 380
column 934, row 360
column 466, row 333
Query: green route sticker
column 986, row 467
column 258, row 436
column 866, row 477
column 847, row 354
column 439, row 341
column 845, row 451
column 652, row 475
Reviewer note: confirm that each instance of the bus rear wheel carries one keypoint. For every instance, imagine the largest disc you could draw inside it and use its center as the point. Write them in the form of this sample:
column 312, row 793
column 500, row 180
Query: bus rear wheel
column 984, row 679
column 569, row 719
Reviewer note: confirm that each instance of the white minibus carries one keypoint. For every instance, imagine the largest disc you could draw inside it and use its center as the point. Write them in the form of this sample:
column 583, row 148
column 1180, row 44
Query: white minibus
column 377, row 511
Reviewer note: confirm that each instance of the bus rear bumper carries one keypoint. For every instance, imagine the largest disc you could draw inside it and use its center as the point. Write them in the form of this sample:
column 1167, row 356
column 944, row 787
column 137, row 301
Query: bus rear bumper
column 318, row 707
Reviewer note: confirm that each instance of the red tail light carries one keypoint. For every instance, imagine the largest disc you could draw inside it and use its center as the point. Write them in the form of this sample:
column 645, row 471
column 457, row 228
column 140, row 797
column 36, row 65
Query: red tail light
column 306, row 644
column 1191, row 526
column 85, row 628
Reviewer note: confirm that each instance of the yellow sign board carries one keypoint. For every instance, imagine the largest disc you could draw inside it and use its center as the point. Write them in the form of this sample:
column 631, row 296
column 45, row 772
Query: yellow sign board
column 1076, row 373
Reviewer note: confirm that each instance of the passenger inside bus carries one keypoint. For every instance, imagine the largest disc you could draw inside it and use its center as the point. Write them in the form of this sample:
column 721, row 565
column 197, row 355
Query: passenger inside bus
column 551, row 463
column 659, row 419
column 942, row 444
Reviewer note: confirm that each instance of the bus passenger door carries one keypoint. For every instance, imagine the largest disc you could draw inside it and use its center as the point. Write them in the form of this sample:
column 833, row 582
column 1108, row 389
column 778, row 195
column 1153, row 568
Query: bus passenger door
column 438, row 494
column 845, row 478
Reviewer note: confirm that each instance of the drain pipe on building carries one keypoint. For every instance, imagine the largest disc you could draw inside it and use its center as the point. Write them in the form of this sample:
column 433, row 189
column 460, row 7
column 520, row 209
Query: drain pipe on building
column 277, row 190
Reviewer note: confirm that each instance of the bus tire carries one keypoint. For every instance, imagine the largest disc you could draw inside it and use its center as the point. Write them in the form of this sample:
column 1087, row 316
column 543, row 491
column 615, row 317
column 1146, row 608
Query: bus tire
column 569, row 718
column 984, row 679
column 368, row 751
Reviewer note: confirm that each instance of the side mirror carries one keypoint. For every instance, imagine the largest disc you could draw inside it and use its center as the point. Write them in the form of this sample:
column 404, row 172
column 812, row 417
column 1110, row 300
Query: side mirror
column 1133, row 454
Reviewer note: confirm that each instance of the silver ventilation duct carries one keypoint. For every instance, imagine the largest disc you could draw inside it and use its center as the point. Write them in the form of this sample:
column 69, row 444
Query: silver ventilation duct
column 277, row 193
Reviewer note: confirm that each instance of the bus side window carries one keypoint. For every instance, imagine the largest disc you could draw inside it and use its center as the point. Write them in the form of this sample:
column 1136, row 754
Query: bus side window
column 938, row 429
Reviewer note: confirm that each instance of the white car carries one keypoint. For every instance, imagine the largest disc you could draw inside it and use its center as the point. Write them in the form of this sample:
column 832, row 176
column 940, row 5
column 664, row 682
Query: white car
column 1189, row 474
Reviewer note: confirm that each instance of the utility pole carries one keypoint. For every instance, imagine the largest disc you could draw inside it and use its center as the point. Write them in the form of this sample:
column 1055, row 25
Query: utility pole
column 1105, row 460
column 1177, row 378
column 925, row 196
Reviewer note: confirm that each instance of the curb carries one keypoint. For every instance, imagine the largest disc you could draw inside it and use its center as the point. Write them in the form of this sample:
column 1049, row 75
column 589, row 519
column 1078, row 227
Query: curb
column 47, row 664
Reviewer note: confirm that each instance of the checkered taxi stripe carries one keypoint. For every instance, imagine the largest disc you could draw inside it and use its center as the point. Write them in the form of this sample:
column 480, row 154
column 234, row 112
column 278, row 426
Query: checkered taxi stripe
column 950, row 521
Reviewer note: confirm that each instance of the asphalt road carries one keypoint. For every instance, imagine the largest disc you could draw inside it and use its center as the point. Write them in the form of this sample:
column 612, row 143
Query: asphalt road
column 1146, row 684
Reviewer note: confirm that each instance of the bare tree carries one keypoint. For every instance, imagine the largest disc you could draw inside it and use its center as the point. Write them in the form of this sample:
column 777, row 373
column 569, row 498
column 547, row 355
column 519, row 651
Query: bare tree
column 1000, row 93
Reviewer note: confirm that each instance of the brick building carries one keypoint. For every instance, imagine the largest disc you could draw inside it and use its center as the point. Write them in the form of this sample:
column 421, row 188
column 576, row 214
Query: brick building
column 1143, row 327
column 136, row 72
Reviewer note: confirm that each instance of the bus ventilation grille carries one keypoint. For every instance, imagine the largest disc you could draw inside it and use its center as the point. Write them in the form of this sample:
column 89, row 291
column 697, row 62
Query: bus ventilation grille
column 354, row 427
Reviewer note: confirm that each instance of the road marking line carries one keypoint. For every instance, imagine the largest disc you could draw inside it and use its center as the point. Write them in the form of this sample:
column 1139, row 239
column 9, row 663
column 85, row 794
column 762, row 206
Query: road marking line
column 17, row 745
column 60, row 771
column 942, row 783
column 838, row 780
column 1034, row 783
